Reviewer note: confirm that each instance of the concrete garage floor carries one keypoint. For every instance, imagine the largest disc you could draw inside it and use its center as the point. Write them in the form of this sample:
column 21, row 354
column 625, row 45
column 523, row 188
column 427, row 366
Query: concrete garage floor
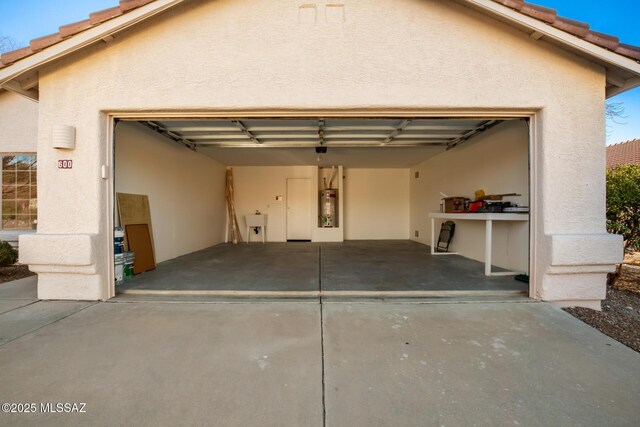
column 352, row 266
column 311, row 364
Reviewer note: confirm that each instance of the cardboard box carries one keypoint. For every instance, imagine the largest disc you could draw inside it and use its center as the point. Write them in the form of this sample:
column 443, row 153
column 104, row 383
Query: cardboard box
column 455, row 204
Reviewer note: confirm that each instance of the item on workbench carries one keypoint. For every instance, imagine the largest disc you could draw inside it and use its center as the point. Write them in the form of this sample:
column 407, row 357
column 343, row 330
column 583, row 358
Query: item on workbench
column 446, row 234
column 494, row 207
column 455, row 204
column 497, row 196
column 516, row 209
column 476, row 205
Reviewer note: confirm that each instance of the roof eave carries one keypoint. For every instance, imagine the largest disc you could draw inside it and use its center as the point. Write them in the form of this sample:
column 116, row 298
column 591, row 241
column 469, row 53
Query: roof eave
column 629, row 84
column 93, row 35
column 542, row 30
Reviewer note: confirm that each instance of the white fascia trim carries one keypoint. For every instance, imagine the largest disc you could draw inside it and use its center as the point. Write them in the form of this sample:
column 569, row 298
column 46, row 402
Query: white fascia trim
column 551, row 32
column 84, row 39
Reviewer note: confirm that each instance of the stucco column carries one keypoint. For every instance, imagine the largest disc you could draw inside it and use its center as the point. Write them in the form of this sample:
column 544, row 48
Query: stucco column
column 573, row 251
column 70, row 250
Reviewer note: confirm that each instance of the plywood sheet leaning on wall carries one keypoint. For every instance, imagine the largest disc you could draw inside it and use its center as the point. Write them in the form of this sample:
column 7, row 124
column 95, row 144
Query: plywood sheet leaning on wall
column 133, row 209
column 140, row 243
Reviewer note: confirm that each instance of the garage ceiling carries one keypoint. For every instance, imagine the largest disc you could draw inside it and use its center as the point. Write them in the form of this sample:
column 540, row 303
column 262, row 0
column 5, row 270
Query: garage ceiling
column 366, row 142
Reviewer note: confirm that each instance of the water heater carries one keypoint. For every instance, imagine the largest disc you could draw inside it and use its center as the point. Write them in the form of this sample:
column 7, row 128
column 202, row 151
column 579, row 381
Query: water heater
column 328, row 207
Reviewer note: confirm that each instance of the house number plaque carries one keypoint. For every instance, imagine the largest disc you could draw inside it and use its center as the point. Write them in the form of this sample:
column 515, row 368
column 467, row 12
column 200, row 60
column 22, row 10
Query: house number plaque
column 65, row 164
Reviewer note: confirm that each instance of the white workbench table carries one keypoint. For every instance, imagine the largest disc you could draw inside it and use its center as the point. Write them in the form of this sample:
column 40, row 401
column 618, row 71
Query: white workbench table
column 488, row 218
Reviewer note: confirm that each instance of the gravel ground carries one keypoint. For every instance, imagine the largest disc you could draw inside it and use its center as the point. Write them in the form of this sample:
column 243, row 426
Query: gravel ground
column 14, row 272
column 620, row 315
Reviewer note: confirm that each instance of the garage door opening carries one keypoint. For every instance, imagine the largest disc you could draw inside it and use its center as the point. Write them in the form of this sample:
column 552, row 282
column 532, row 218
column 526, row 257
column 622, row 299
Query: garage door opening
column 333, row 207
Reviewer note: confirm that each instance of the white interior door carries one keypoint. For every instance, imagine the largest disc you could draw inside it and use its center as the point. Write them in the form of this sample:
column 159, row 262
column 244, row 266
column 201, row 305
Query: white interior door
column 298, row 209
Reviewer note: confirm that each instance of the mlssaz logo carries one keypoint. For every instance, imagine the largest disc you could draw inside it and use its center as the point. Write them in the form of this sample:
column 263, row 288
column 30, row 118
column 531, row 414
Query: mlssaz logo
column 63, row 407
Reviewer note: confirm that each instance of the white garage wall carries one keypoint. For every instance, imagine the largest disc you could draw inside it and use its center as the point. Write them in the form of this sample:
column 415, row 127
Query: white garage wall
column 376, row 204
column 376, row 201
column 18, row 123
column 185, row 189
column 256, row 188
column 496, row 161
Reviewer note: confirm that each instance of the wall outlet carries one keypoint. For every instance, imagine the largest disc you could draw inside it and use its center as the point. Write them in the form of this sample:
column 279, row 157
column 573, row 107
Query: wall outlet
column 417, row 174
column 417, row 233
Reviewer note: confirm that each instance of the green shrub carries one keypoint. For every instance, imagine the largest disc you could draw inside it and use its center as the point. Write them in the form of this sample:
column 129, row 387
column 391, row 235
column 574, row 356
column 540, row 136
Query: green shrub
column 623, row 204
column 8, row 255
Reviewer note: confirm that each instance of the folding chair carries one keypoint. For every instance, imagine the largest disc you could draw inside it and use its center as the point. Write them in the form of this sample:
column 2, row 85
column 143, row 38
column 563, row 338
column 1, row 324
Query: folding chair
column 446, row 234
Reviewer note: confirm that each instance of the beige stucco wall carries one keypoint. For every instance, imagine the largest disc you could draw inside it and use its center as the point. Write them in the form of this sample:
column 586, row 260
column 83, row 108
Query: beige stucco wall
column 18, row 123
column 185, row 189
column 376, row 204
column 496, row 161
column 429, row 55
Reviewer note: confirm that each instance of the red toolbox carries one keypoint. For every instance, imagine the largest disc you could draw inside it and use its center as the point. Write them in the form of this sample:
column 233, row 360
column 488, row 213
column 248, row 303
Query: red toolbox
column 476, row 205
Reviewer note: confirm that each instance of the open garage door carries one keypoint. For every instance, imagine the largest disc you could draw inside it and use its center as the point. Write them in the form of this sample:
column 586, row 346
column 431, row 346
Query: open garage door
column 374, row 186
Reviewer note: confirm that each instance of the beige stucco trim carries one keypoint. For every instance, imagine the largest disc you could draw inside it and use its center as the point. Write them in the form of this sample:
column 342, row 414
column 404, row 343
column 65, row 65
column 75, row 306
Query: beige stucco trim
column 504, row 114
column 109, row 181
column 535, row 214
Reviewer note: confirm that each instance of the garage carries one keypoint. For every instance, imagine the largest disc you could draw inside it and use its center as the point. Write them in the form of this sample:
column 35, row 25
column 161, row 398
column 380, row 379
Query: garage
column 412, row 100
column 343, row 206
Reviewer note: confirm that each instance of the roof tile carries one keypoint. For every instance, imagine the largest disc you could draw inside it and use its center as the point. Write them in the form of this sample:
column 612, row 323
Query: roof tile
column 43, row 42
column 541, row 13
column 603, row 40
column 14, row 55
column 624, row 153
column 104, row 15
column 577, row 28
column 513, row 4
column 127, row 5
column 74, row 28
column 629, row 50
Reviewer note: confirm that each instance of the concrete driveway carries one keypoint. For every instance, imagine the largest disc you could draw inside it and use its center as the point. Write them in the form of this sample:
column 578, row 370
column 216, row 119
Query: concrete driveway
column 299, row 364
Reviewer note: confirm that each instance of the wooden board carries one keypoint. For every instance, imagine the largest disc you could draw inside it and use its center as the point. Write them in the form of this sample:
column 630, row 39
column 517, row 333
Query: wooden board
column 140, row 243
column 134, row 209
